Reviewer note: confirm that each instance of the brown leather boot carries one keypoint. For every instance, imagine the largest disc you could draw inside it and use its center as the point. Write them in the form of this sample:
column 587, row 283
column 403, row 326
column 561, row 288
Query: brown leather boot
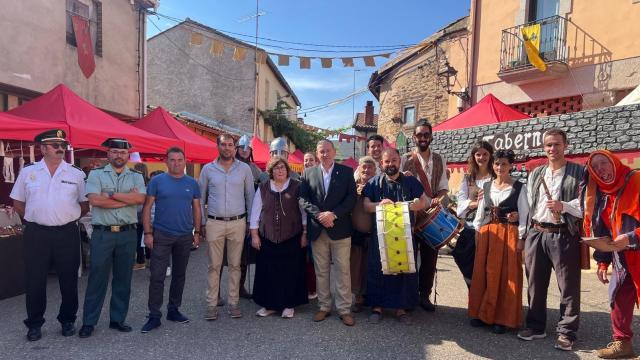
column 619, row 349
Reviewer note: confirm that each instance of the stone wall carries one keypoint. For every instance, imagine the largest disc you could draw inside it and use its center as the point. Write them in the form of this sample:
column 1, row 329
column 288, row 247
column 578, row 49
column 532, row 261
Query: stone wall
column 614, row 128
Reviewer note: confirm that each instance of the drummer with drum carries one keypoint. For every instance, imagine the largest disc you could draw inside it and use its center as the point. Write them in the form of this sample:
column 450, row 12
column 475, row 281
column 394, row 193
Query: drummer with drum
column 430, row 169
column 398, row 291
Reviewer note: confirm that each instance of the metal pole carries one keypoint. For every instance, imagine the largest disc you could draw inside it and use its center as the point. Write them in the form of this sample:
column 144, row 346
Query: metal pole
column 256, row 92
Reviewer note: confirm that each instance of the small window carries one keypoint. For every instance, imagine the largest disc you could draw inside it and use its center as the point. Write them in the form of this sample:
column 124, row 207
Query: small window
column 92, row 13
column 409, row 116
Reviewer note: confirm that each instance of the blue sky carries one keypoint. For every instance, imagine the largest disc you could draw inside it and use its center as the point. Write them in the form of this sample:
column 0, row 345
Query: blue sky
column 375, row 22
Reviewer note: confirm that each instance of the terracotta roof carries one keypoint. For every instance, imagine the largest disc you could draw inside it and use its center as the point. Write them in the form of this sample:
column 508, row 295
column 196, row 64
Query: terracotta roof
column 360, row 125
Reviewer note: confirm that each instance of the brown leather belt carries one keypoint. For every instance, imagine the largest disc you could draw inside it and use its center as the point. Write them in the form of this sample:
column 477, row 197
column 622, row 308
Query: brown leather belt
column 229, row 218
column 550, row 228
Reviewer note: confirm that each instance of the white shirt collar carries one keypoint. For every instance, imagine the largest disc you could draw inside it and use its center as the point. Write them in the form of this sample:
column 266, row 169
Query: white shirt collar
column 333, row 164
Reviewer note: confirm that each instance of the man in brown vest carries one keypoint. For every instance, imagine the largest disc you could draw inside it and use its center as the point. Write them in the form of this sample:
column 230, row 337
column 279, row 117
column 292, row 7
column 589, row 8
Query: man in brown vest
column 430, row 169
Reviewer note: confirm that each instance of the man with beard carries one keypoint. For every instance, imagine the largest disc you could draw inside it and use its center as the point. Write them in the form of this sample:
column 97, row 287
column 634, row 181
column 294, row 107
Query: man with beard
column 399, row 291
column 430, row 168
column 175, row 228
column 114, row 192
column 50, row 196
column 229, row 186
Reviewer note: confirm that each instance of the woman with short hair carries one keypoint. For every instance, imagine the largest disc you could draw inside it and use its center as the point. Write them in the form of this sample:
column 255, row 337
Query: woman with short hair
column 278, row 233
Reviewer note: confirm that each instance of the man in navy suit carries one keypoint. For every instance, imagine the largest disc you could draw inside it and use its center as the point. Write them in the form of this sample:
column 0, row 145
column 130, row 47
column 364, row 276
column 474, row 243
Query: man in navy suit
column 328, row 194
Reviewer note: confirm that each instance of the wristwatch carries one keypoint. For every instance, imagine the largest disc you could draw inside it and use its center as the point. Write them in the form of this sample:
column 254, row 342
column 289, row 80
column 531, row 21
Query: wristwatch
column 110, row 193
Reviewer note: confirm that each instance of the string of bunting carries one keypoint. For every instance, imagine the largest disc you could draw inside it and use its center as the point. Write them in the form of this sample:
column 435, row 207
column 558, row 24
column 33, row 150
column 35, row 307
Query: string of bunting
column 217, row 49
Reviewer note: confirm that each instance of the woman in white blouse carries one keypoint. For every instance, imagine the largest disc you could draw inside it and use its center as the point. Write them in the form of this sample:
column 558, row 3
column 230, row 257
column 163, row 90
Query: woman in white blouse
column 495, row 297
column 279, row 234
column 480, row 164
column 480, row 170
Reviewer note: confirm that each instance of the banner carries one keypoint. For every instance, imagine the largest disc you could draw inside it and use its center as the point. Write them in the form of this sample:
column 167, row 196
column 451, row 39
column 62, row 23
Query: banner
column 283, row 60
column 531, row 38
column 347, row 62
column 326, row 62
column 86, row 61
column 305, row 62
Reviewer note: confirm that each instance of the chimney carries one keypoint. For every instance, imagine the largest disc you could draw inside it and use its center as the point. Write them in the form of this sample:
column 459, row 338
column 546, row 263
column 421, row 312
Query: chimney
column 368, row 113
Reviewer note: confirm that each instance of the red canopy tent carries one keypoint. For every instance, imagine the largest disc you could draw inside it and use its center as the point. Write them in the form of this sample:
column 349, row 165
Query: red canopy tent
column 18, row 128
column 197, row 148
column 487, row 111
column 88, row 126
column 260, row 152
column 297, row 157
column 350, row 162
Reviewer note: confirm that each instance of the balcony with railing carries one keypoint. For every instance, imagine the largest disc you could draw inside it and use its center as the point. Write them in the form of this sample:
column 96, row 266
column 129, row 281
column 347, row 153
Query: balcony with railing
column 514, row 63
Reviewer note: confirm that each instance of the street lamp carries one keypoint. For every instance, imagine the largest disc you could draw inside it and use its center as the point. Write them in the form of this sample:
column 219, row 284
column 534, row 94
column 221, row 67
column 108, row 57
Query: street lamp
column 449, row 75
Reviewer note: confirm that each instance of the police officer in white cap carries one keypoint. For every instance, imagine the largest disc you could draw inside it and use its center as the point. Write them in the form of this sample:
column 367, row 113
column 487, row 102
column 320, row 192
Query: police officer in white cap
column 49, row 195
column 278, row 147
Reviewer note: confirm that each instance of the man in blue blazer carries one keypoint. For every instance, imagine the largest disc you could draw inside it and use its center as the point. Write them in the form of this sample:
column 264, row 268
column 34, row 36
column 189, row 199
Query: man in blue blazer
column 328, row 194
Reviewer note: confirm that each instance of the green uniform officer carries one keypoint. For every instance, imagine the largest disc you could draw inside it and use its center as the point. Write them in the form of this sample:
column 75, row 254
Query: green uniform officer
column 114, row 192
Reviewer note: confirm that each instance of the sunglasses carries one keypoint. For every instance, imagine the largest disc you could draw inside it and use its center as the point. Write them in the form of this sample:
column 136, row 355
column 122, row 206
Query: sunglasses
column 58, row 145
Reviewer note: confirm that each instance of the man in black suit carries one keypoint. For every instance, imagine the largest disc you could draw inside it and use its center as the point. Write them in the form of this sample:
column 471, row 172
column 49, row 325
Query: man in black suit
column 328, row 194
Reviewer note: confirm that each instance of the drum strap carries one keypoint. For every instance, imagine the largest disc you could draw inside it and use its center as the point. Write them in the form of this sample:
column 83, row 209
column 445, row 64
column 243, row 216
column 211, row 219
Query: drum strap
column 422, row 175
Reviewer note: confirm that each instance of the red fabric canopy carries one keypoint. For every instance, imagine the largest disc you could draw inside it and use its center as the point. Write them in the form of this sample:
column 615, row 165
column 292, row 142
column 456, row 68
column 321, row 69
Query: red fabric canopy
column 487, row 111
column 350, row 162
column 89, row 126
column 197, row 148
column 18, row 128
column 260, row 152
column 297, row 157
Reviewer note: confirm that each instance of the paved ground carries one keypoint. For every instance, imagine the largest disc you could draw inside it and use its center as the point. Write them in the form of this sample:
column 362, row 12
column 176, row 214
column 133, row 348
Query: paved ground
column 443, row 334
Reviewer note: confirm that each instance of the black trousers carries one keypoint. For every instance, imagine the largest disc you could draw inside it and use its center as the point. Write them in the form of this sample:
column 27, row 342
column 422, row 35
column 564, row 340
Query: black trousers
column 165, row 246
column 46, row 246
column 561, row 252
column 427, row 271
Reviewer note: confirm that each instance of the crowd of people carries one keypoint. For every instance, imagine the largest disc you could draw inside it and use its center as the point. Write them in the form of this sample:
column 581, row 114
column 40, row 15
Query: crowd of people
column 302, row 230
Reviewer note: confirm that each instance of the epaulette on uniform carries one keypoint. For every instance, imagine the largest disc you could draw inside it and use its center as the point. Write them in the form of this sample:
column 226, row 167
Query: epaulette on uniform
column 77, row 167
column 29, row 164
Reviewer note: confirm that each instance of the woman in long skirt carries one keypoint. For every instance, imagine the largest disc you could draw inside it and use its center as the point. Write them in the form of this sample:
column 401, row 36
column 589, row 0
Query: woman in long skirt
column 278, row 233
column 495, row 297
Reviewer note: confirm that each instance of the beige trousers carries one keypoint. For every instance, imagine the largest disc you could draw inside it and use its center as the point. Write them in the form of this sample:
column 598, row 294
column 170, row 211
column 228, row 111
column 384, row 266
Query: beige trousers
column 218, row 233
column 325, row 251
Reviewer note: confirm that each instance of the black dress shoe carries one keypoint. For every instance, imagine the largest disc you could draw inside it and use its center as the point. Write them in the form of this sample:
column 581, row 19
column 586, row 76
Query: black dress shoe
column 85, row 331
column 426, row 305
column 34, row 334
column 68, row 329
column 122, row 327
column 476, row 323
column 498, row 329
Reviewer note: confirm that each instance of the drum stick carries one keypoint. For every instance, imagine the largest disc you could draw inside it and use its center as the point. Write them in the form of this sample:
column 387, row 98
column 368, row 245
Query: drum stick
column 556, row 214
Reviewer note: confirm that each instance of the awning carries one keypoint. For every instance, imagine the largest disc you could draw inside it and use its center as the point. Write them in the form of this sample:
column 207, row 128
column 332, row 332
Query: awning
column 487, row 111
column 88, row 126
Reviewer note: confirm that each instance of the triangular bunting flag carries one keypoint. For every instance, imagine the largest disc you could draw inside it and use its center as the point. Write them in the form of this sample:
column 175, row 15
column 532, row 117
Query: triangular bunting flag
column 305, row 62
column 196, row 38
column 368, row 61
column 239, row 54
column 347, row 62
column 217, row 48
column 283, row 60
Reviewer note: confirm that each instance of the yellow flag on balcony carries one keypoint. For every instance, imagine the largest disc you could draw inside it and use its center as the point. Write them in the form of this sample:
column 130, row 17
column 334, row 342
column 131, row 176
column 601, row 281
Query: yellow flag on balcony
column 531, row 38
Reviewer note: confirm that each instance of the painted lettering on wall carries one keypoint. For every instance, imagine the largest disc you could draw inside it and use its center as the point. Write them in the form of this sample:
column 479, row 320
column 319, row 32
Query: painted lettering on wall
column 516, row 141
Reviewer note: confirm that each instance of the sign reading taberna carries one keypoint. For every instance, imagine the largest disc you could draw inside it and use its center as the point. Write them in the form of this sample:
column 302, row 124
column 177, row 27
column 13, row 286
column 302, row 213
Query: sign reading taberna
column 516, row 141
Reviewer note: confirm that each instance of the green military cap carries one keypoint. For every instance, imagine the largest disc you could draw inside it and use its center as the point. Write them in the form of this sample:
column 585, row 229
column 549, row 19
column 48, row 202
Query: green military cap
column 116, row 143
column 51, row 135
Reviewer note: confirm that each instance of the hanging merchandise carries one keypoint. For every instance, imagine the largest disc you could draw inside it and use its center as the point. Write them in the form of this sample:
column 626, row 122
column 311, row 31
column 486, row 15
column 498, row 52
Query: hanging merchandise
column 7, row 170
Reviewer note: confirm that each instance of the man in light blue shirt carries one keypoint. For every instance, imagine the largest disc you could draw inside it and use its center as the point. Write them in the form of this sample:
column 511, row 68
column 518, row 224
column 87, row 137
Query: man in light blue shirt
column 228, row 185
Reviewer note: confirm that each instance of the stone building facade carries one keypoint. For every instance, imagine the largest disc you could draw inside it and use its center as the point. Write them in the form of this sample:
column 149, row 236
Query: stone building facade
column 184, row 76
column 409, row 87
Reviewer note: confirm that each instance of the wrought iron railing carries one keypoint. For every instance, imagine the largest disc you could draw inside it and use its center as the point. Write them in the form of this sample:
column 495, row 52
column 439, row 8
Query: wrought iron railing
column 553, row 44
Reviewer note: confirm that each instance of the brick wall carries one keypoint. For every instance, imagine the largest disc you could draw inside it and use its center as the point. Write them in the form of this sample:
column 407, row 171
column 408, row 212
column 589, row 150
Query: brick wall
column 613, row 128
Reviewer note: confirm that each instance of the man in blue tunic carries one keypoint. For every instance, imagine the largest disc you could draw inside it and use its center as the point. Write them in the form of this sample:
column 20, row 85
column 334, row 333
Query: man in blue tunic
column 399, row 292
